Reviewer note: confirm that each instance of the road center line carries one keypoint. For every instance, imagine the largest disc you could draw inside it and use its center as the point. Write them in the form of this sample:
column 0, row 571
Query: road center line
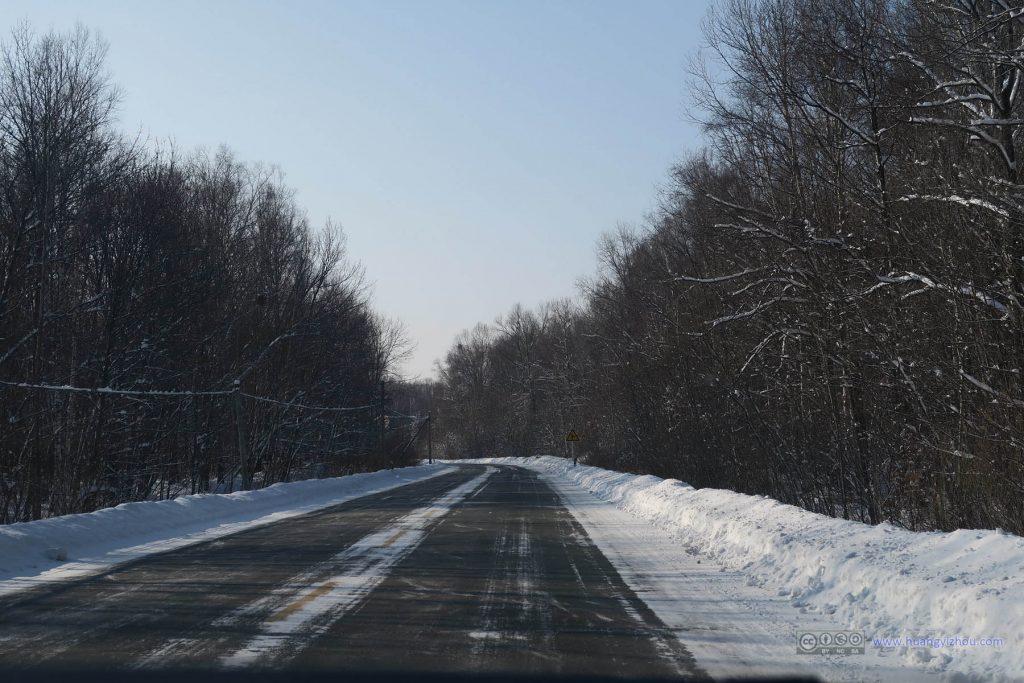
column 354, row 573
column 303, row 601
column 401, row 532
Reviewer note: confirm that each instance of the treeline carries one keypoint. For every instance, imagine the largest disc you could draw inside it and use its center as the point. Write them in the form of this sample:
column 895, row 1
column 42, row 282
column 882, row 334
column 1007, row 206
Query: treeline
column 162, row 314
column 828, row 307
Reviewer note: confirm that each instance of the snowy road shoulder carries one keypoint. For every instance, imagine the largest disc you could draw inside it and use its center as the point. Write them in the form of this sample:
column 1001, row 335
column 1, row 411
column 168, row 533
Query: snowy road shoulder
column 739, row 576
column 98, row 540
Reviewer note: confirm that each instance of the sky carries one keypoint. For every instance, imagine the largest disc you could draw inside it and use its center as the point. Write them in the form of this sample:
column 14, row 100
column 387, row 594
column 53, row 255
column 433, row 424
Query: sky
column 473, row 151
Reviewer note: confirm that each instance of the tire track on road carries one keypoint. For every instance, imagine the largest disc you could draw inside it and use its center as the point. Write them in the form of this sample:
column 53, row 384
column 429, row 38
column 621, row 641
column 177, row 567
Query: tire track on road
column 297, row 613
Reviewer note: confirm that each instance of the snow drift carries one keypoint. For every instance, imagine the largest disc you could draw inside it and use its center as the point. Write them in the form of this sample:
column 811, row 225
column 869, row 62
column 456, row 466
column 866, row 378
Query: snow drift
column 29, row 551
column 884, row 580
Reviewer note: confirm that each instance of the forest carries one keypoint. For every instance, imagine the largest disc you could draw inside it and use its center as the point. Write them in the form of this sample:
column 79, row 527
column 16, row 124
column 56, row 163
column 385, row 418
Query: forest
column 827, row 306
column 170, row 322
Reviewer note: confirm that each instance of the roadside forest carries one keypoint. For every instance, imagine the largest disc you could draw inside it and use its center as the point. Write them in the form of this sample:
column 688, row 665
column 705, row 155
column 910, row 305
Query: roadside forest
column 165, row 316
column 828, row 308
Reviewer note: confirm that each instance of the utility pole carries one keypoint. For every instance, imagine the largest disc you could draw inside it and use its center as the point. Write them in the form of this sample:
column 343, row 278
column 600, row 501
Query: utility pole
column 242, row 429
column 430, row 440
column 193, row 431
column 380, row 443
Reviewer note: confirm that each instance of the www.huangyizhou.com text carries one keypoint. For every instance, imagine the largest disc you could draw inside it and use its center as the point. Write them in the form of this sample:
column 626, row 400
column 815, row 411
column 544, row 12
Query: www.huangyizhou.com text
column 937, row 643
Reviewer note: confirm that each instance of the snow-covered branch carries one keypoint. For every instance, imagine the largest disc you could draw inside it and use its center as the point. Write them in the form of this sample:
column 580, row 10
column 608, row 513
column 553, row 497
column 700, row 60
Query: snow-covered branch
column 930, row 284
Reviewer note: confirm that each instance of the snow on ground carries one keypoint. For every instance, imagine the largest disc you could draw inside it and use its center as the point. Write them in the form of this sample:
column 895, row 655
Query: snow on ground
column 101, row 539
column 739, row 576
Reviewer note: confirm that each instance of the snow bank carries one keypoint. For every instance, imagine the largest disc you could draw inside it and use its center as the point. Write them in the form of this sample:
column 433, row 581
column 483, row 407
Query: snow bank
column 886, row 581
column 96, row 540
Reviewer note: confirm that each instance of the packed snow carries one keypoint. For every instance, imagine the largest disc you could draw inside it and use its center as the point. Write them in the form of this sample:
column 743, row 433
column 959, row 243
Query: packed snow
column 739, row 576
column 310, row 603
column 77, row 545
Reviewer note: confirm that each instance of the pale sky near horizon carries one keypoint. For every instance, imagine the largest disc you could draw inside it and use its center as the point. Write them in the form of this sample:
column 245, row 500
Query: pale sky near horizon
column 472, row 151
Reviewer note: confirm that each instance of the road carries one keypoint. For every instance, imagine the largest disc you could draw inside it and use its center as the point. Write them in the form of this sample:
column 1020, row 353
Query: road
column 481, row 569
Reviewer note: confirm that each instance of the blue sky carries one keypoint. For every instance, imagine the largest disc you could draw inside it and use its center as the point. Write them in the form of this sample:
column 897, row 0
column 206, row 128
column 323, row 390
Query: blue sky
column 473, row 151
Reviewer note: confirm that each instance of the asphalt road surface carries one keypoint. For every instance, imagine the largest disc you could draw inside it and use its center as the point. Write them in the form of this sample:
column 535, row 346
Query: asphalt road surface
column 477, row 570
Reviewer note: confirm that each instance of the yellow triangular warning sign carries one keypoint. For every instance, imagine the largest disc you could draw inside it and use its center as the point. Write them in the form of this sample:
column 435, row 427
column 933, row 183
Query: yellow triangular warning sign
column 572, row 436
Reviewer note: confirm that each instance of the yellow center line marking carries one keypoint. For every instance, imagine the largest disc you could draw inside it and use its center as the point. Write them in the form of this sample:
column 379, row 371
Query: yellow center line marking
column 394, row 538
column 309, row 597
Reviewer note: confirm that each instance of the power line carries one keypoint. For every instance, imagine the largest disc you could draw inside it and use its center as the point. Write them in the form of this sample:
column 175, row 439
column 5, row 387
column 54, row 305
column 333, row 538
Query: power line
column 176, row 393
column 264, row 399
column 111, row 390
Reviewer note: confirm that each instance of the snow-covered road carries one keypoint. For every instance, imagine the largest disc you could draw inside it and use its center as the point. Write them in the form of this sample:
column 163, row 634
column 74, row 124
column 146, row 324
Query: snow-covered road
column 512, row 565
column 475, row 569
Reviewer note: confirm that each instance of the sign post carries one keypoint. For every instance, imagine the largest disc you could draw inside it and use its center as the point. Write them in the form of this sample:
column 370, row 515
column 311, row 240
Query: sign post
column 572, row 437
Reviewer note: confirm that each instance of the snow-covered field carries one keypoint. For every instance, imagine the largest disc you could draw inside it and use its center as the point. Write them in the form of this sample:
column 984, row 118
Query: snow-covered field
column 101, row 539
column 739, row 577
